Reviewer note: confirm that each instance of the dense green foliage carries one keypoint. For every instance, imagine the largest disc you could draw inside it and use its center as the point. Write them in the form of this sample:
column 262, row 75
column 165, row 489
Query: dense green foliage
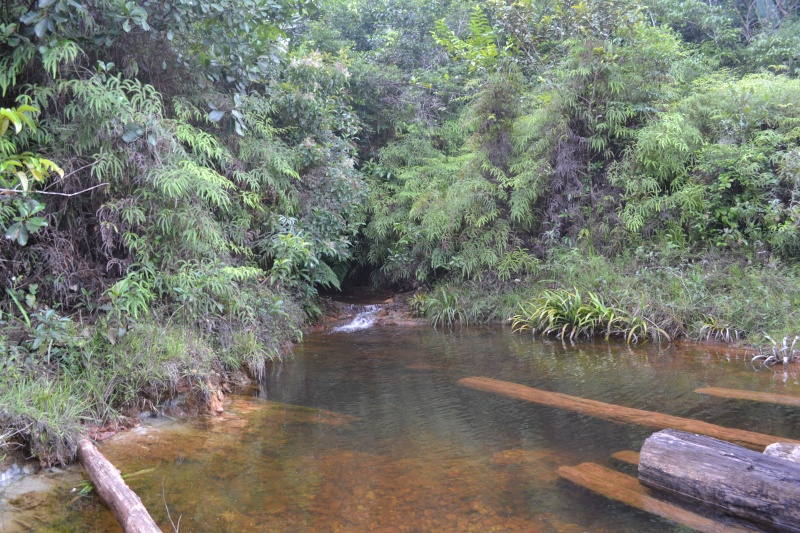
column 208, row 184
column 658, row 140
column 196, row 171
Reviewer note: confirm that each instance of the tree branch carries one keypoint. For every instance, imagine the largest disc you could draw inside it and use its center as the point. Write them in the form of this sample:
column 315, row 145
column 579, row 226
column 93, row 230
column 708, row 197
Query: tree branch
column 68, row 195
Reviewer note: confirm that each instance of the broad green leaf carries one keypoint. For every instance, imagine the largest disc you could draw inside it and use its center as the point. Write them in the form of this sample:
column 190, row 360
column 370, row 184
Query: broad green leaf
column 13, row 116
column 216, row 115
column 17, row 232
column 35, row 224
column 23, row 179
column 29, row 17
column 132, row 132
column 35, row 206
column 40, row 28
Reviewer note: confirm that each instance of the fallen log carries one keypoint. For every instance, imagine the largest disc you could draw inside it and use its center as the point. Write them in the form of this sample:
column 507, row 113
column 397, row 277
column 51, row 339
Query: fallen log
column 736, row 394
column 626, row 489
column 627, row 456
column 723, row 477
column 124, row 503
column 617, row 413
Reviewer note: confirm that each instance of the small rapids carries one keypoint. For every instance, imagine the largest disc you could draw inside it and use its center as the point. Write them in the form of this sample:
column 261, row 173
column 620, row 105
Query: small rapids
column 363, row 320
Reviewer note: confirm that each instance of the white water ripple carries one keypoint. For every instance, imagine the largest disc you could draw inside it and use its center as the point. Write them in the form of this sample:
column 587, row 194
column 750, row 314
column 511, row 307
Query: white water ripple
column 362, row 320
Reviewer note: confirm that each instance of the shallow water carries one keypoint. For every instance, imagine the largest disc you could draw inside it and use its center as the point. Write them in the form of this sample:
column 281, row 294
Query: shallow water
column 368, row 431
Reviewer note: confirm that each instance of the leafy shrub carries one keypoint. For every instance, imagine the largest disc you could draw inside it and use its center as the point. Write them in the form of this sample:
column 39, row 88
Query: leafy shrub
column 418, row 303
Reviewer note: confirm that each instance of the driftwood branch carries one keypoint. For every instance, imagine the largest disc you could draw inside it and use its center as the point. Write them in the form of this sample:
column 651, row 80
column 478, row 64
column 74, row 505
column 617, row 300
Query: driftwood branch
column 124, row 503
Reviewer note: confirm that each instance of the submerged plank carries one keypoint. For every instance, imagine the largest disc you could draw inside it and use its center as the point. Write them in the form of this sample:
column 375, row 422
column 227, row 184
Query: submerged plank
column 628, row 490
column 724, row 477
column 736, row 394
column 627, row 456
column 624, row 415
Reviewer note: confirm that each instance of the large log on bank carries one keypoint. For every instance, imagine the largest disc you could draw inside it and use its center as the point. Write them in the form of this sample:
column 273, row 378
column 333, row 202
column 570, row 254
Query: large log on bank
column 628, row 490
column 617, row 413
column 724, row 477
column 125, row 504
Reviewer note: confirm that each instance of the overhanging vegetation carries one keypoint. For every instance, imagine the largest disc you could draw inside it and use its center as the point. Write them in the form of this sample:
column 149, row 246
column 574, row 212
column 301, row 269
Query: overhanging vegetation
column 178, row 179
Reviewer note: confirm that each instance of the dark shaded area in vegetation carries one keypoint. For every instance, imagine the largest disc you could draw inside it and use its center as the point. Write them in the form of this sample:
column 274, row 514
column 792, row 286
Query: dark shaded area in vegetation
column 179, row 179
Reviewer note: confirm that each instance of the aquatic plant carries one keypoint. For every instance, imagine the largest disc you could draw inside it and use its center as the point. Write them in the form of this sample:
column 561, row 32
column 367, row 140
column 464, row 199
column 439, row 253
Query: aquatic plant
column 569, row 315
column 418, row 302
column 719, row 330
column 783, row 353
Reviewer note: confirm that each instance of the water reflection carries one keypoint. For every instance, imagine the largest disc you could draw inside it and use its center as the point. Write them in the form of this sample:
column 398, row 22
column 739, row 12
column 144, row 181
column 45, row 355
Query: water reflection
column 367, row 431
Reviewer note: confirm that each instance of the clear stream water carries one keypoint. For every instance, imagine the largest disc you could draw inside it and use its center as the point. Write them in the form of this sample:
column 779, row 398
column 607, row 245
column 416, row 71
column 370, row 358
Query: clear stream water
column 367, row 430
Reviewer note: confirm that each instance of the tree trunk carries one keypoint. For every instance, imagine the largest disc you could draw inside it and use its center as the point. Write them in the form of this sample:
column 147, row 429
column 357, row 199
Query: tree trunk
column 125, row 504
column 725, row 477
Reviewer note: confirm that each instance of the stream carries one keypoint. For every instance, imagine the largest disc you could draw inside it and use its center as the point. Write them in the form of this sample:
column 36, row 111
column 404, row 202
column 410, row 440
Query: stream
column 365, row 429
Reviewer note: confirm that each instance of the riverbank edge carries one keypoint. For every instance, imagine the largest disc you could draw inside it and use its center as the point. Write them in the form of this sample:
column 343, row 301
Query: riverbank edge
column 701, row 300
column 200, row 392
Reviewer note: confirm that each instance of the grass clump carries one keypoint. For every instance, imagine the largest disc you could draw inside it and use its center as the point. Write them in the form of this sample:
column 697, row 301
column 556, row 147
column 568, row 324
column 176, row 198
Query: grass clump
column 652, row 292
column 443, row 308
column 57, row 376
column 570, row 315
column 782, row 353
column 47, row 414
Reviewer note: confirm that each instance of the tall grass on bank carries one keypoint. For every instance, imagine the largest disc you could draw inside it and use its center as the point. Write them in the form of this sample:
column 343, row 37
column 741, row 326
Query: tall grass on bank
column 702, row 296
column 48, row 413
column 570, row 315
column 50, row 390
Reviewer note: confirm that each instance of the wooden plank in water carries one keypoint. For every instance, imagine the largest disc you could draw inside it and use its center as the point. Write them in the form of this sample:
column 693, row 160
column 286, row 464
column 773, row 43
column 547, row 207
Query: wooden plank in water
column 620, row 414
column 627, row 456
column 736, row 394
column 628, row 490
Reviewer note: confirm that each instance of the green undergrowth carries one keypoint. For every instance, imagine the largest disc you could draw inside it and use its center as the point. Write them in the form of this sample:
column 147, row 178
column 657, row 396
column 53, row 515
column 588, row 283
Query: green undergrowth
column 568, row 314
column 50, row 390
column 706, row 297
